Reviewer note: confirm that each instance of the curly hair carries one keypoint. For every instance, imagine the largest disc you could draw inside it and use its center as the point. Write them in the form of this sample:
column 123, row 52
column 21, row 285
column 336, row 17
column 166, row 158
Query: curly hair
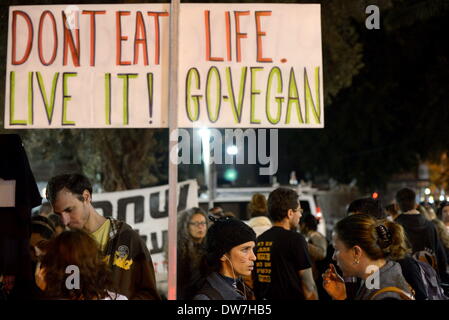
column 189, row 254
column 77, row 248
column 184, row 239
column 380, row 239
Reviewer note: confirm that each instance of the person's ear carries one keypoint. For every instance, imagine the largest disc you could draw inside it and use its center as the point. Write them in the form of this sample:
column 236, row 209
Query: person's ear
column 86, row 196
column 225, row 257
column 357, row 252
column 290, row 213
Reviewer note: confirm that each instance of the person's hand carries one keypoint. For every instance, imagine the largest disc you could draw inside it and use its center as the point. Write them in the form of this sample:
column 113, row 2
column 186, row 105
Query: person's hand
column 39, row 275
column 334, row 284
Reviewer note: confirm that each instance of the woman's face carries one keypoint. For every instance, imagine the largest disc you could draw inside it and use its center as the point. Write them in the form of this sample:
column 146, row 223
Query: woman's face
column 445, row 215
column 344, row 257
column 242, row 258
column 197, row 227
column 35, row 240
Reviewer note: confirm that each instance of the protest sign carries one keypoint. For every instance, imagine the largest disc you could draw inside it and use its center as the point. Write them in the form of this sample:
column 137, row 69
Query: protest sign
column 87, row 66
column 250, row 65
column 106, row 66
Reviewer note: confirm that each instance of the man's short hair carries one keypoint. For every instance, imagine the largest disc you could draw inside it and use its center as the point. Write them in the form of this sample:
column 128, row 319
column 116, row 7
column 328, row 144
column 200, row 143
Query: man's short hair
column 369, row 206
column 280, row 201
column 75, row 183
column 406, row 199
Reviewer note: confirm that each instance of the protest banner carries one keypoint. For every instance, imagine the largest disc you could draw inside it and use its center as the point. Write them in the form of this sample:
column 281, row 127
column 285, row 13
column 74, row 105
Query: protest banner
column 106, row 66
column 146, row 210
column 87, row 66
column 250, row 65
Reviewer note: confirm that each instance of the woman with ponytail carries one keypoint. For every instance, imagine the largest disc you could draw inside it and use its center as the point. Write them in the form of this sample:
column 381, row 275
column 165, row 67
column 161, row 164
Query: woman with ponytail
column 365, row 248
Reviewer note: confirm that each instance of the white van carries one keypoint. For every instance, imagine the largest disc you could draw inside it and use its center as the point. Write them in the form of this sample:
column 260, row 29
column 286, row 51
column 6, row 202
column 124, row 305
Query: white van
column 236, row 200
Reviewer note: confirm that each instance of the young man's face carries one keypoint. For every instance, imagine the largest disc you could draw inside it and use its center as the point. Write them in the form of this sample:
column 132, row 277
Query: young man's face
column 73, row 212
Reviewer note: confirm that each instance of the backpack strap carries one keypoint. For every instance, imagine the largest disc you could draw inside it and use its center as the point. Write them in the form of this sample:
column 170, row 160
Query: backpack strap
column 210, row 292
column 404, row 295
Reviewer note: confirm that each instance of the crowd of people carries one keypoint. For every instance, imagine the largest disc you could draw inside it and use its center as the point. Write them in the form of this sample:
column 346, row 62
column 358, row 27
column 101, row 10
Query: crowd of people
column 400, row 251
column 396, row 252
column 78, row 254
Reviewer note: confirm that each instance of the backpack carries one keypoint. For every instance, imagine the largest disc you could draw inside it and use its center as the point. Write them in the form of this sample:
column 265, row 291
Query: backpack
column 426, row 256
column 210, row 292
column 404, row 295
column 431, row 282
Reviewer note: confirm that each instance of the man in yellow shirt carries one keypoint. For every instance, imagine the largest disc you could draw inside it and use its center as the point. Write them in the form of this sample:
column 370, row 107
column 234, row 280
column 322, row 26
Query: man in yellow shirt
column 127, row 255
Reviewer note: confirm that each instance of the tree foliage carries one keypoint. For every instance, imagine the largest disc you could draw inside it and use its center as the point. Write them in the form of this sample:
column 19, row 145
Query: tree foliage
column 386, row 107
column 394, row 114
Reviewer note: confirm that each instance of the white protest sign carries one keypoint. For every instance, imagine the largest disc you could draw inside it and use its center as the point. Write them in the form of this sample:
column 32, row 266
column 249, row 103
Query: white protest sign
column 146, row 210
column 87, row 66
column 106, row 66
column 250, row 65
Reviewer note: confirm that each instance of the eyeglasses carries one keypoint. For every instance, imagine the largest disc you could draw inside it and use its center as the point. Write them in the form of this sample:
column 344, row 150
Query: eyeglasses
column 300, row 210
column 197, row 224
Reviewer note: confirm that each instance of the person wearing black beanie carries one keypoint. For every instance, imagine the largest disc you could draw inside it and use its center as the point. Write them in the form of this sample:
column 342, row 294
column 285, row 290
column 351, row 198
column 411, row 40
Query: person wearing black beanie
column 229, row 256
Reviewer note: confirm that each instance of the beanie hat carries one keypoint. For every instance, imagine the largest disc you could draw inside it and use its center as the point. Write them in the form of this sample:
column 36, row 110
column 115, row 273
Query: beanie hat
column 225, row 234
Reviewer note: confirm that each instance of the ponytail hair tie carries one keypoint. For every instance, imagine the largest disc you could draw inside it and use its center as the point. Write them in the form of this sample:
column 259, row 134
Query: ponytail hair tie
column 218, row 219
column 385, row 238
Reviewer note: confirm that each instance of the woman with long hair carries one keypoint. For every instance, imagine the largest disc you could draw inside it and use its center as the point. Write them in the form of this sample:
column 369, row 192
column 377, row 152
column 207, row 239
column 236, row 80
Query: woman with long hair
column 192, row 230
column 73, row 268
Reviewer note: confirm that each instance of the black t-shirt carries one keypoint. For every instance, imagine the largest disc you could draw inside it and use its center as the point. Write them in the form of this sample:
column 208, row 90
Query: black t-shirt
column 280, row 255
